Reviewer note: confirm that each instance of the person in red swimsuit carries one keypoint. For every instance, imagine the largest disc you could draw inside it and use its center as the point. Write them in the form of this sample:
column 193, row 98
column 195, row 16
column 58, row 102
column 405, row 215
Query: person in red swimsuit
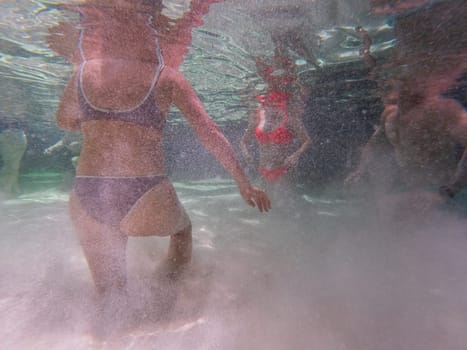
column 276, row 124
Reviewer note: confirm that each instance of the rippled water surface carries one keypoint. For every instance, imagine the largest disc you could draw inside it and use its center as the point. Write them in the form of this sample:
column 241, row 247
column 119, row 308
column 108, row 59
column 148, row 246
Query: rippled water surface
column 219, row 62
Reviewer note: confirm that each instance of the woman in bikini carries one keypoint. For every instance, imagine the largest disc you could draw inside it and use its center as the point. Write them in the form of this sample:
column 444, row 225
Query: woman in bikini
column 277, row 124
column 118, row 96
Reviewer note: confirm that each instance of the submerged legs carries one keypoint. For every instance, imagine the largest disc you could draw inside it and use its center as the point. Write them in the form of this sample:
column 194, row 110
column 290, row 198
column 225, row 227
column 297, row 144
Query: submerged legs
column 180, row 249
column 107, row 262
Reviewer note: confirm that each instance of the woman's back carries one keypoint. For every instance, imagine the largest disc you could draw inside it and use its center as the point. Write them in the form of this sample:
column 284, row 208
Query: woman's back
column 117, row 33
column 120, row 56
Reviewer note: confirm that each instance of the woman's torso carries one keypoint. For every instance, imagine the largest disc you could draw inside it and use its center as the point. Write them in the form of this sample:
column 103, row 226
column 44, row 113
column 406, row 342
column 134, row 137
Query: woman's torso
column 119, row 75
column 273, row 134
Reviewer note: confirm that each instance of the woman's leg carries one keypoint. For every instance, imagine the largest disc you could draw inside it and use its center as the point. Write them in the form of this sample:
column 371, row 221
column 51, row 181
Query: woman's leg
column 159, row 213
column 178, row 256
column 104, row 248
column 180, row 247
column 106, row 258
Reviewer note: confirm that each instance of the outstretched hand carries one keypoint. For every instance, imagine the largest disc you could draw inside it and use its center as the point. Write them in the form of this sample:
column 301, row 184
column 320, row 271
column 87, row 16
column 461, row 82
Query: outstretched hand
column 255, row 197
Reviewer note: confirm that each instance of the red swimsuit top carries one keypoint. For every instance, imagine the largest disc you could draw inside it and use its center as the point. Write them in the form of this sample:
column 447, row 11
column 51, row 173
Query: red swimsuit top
column 280, row 135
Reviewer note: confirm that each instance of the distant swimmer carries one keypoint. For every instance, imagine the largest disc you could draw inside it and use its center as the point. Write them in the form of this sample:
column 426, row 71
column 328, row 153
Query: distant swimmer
column 276, row 125
column 427, row 132
column 13, row 144
column 72, row 142
column 425, row 128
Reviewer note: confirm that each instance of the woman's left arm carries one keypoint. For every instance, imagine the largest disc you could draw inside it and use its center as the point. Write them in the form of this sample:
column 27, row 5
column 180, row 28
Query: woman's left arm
column 186, row 100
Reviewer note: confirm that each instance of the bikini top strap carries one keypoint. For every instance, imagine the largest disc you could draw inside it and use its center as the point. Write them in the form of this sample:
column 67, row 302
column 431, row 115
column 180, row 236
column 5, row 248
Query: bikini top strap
column 160, row 58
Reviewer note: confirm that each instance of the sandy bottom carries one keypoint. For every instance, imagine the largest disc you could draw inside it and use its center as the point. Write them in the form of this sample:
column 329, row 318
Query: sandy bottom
column 327, row 275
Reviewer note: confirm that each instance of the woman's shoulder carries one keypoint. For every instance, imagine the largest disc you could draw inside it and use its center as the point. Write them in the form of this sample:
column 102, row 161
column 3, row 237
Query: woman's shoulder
column 173, row 78
column 172, row 83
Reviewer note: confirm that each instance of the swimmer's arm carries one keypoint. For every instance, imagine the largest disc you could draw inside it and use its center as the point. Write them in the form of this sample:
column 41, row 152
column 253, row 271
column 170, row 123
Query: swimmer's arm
column 68, row 113
column 55, row 147
column 186, row 100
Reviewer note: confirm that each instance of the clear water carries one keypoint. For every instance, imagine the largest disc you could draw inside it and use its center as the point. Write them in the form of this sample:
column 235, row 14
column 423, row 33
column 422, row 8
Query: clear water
column 327, row 272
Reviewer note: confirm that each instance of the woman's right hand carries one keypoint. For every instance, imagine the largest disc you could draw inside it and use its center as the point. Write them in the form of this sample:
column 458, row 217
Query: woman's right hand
column 255, row 197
